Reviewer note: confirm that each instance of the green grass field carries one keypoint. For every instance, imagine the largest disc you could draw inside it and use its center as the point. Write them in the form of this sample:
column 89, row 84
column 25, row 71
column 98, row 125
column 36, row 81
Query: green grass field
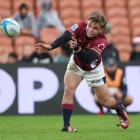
column 91, row 127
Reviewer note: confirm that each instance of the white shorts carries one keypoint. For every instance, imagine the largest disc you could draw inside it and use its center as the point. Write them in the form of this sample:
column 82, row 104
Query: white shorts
column 94, row 78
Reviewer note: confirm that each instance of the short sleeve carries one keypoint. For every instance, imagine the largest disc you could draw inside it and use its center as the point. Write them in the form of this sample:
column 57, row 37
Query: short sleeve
column 99, row 45
column 76, row 28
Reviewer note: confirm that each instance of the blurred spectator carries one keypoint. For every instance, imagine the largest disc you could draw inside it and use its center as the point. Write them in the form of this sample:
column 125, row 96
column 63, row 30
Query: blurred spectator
column 26, row 20
column 12, row 57
column 111, row 50
column 61, row 55
column 49, row 17
column 136, row 49
column 116, row 83
column 64, row 56
column 26, row 55
column 4, row 58
column 43, row 58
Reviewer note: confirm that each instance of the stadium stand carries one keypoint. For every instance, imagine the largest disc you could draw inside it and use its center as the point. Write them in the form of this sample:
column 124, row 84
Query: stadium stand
column 48, row 34
column 1, row 33
column 88, row 6
column 134, row 16
column 116, row 12
column 124, row 15
column 70, row 12
column 21, row 41
column 5, row 45
column 5, row 9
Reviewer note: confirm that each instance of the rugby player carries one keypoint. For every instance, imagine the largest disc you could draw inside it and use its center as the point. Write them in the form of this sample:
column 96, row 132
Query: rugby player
column 88, row 43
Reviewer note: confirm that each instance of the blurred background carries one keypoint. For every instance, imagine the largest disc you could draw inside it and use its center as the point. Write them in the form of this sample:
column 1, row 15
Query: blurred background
column 44, row 20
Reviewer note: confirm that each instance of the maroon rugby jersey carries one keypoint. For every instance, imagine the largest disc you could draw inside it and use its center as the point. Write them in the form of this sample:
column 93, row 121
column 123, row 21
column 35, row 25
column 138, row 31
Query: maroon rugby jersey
column 98, row 44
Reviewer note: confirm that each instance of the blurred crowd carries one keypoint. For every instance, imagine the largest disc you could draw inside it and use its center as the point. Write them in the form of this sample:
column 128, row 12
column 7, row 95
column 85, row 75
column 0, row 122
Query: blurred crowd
column 45, row 25
column 47, row 22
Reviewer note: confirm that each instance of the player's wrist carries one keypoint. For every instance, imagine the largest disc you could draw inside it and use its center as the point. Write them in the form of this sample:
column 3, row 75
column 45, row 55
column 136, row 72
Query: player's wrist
column 77, row 49
column 52, row 47
column 47, row 48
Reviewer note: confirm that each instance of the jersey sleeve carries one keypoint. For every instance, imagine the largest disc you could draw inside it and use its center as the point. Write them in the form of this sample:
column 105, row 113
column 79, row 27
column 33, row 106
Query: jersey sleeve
column 99, row 46
column 76, row 28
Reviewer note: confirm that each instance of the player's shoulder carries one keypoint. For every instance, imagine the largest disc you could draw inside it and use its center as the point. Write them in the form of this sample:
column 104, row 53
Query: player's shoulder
column 78, row 26
column 101, row 39
column 82, row 23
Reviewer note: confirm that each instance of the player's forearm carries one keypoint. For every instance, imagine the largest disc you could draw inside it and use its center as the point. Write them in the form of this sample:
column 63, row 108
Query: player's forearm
column 63, row 39
column 87, row 56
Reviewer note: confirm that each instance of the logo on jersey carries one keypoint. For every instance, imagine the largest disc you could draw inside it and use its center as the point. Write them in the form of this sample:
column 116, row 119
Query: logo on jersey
column 96, row 81
column 101, row 48
column 93, row 64
column 74, row 27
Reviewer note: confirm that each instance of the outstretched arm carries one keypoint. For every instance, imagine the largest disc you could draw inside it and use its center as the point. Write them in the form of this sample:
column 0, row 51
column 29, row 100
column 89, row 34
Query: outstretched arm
column 64, row 38
column 87, row 56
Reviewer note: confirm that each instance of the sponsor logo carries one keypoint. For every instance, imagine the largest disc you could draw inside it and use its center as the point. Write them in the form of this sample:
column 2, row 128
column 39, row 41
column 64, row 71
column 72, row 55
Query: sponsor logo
column 74, row 27
column 96, row 81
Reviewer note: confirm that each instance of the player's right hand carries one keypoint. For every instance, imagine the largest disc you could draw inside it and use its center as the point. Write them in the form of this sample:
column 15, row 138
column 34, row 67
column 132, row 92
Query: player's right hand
column 73, row 43
column 42, row 48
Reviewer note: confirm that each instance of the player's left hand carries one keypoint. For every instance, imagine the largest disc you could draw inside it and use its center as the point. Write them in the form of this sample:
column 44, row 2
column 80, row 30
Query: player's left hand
column 40, row 47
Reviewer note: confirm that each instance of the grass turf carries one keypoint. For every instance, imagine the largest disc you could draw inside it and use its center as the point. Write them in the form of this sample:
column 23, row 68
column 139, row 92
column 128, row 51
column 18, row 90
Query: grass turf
column 91, row 127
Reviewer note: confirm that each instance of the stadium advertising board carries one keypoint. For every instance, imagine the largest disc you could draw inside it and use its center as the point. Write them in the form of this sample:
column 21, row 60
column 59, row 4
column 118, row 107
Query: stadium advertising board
column 38, row 89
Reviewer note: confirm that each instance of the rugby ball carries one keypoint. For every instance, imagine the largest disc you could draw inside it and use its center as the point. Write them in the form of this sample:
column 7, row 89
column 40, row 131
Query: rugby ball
column 10, row 27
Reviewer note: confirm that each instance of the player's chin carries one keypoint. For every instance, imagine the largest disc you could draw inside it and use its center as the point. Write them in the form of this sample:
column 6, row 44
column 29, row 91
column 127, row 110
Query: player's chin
column 90, row 35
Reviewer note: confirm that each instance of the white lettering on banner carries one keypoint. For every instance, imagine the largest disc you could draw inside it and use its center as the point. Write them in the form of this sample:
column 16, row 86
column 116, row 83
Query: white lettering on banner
column 7, row 91
column 48, row 84
column 27, row 95
column 132, row 75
